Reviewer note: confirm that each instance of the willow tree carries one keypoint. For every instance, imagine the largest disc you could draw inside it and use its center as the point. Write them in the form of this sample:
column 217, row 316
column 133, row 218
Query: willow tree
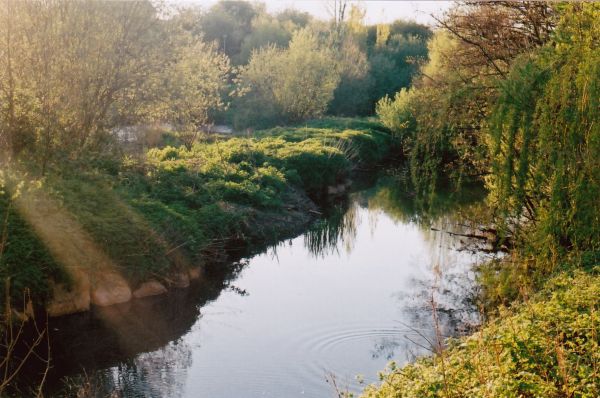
column 449, row 107
column 545, row 139
column 437, row 119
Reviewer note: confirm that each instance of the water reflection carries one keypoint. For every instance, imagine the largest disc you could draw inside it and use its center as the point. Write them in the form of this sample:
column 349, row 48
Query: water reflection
column 372, row 282
column 338, row 226
column 448, row 292
column 443, row 210
column 113, row 336
column 138, row 378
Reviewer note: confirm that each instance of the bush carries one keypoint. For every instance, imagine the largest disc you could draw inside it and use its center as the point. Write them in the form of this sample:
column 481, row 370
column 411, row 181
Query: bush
column 545, row 348
column 171, row 209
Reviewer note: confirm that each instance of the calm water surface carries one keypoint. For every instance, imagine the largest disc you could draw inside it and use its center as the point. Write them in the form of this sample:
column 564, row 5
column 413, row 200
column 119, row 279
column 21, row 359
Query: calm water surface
column 340, row 301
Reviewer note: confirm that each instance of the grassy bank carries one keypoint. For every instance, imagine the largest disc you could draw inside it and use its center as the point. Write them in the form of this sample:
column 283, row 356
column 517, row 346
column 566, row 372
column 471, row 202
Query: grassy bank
column 174, row 208
column 546, row 347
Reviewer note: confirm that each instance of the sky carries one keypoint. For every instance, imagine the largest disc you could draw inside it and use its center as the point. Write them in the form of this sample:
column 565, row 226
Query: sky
column 377, row 11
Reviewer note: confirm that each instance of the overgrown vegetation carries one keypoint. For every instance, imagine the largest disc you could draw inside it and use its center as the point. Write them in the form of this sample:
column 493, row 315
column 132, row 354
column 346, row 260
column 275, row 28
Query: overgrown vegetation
column 504, row 92
column 547, row 347
column 526, row 120
column 293, row 67
column 174, row 207
column 79, row 79
column 510, row 95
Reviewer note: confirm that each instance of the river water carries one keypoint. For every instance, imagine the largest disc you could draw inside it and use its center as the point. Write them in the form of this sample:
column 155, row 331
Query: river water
column 320, row 313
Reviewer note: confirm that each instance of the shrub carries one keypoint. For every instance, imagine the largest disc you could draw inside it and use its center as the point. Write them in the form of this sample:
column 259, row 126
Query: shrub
column 545, row 348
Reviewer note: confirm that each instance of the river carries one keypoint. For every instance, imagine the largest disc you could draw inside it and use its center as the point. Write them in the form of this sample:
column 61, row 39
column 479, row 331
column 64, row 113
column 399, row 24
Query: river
column 320, row 313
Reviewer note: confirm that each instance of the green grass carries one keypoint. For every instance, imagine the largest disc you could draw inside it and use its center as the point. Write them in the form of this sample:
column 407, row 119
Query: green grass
column 175, row 207
column 547, row 347
column 93, row 200
column 24, row 259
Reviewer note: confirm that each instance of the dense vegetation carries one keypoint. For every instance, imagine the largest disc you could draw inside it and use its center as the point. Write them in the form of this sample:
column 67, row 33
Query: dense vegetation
column 516, row 90
column 547, row 347
column 528, row 126
column 73, row 74
column 104, row 108
column 502, row 92
column 190, row 203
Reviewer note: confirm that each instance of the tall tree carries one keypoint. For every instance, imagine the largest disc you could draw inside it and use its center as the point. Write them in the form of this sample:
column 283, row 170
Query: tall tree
column 296, row 83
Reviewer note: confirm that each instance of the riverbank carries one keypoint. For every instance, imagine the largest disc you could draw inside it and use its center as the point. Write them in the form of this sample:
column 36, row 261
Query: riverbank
column 547, row 346
column 113, row 229
column 299, row 310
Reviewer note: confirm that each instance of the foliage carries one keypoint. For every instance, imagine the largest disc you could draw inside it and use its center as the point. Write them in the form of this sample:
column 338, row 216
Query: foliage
column 228, row 23
column 351, row 96
column 191, row 88
column 547, row 347
column 335, row 55
column 201, row 197
column 176, row 206
column 266, row 30
column 396, row 115
column 298, row 83
column 440, row 118
column 375, row 66
column 546, row 139
column 394, row 63
column 73, row 75
column 536, row 127
column 239, row 27
column 447, row 109
column 494, row 34
column 25, row 262
column 73, row 71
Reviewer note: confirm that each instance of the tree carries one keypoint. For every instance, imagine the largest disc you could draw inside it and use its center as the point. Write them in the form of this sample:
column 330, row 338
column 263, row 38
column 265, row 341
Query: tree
column 192, row 88
column 311, row 79
column 469, row 58
column 494, row 33
column 545, row 139
column 266, row 30
column 74, row 71
column 78, row 61
column 351, row 97
column 227, row 23
column 337, row 12
column 297, row 83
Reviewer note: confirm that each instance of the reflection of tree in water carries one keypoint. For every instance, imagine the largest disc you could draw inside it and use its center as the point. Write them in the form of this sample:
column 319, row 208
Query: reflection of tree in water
column 160, row 373
column 449, row 287
column 417, row 334
column 448, row 290
column 403, row 202
column 133, row 349
column 339, row 227
column 437, row 306
column 398, row 200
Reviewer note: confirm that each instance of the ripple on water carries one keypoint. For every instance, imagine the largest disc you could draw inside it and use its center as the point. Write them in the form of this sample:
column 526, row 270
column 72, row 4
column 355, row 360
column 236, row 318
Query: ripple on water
column 342, row 347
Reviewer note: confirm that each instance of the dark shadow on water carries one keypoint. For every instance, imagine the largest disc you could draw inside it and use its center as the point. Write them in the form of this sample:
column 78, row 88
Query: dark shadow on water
column 113, row 336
